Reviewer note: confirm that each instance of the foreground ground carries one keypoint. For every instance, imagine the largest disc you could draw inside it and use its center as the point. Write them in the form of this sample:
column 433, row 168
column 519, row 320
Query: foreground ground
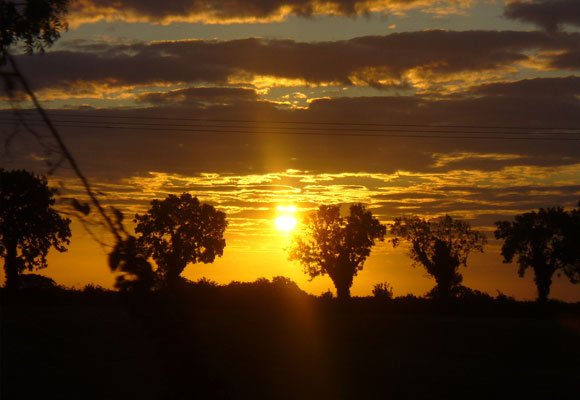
column 270, row 343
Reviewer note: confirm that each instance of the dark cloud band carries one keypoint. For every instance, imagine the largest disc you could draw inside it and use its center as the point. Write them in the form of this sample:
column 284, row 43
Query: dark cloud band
column 368, row 60
column 224, row 11
column 547, row 14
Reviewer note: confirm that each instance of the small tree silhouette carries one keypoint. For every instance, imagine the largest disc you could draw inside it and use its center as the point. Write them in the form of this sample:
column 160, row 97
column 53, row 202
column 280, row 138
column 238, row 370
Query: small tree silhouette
column 178, row 231
column 547, row 240
column 29, row 225
column 383, row 291
column 440, row 246
column 337, row 246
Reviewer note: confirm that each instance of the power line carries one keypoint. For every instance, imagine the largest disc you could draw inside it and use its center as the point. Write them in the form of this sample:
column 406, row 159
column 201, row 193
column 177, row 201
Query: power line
column 287, row 122
column 165, row 125
column 447, row 135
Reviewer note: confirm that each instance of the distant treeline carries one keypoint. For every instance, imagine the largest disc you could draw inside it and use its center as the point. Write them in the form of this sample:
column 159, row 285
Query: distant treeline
column 279, row 294
column 181, row 230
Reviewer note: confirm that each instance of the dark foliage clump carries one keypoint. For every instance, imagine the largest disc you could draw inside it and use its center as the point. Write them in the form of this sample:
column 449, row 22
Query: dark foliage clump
column 441, row 246
column 180, row 230
column 36, row 24
column 547, row 241
column 29, row 224
column 337, row 245
column 383, row 291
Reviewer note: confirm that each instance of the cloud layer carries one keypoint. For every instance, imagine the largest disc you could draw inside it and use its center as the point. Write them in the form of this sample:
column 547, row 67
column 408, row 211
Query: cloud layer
column 425, row 61
column 235, row 11
column 550, row 15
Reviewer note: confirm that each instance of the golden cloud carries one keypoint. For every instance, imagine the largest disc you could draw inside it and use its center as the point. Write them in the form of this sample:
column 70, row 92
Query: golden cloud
column 251, row 200
column 247, row 11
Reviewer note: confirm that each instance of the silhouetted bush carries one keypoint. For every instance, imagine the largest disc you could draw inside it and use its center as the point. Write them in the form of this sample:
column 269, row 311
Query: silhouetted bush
column 35, row 281
column 285, row 283
column 460, row 293
column 204, row 282
column 501, row 297
column 279, row 286
column 92, row 288
column 467, row 294
column 327, row 295
column 383, row 291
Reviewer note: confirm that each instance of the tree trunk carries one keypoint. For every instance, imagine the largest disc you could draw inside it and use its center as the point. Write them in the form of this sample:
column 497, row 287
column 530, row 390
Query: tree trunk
column 342, row 292
column 11, row 266
column 543, row 292
column 171, row 280
column 442, row 291
column 172, row 275
column 342, row 276
column 543, row 279
column 445, row 270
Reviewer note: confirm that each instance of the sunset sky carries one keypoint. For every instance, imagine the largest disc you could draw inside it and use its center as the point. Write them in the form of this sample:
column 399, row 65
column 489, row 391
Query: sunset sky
column 412, row 107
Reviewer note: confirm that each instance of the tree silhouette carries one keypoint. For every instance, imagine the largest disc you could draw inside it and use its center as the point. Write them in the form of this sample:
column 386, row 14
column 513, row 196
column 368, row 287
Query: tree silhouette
column 441, row 246
column 29, row 225
column 36, row 23
column 337, row 246
column 572, row 246
column 178, row 231
column 547, row 241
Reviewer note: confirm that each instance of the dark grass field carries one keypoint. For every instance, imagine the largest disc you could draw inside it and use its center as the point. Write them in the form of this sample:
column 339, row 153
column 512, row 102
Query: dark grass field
column 266, row 343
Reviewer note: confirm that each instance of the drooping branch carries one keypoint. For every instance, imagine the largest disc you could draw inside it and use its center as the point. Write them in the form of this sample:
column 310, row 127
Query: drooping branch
column 63, row 148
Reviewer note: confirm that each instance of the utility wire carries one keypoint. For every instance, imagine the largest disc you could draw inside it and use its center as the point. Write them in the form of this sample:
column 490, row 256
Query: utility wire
column 316, row 128
column 447, row 135
column 287, row 122
column 63, row 148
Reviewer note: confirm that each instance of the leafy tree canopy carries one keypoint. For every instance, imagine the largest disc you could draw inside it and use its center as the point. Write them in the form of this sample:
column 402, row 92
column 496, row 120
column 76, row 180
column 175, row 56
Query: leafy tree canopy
column 547, row 240
column 34, row 23
column 337, row 246
column 29, row 225
column 441, row 246
column 181, row 230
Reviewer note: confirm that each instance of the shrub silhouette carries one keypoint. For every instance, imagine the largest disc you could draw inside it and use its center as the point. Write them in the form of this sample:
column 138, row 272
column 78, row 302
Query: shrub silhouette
column 35, row 281
column 178, row 231
column 547, row 240
column 337, row 246
column 326, row 295
column 29, row 225
column 383, row 291
column 441, row 246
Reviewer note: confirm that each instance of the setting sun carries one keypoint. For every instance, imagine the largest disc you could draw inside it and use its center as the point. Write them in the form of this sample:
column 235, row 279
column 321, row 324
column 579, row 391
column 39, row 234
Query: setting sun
column 290, row 199
column 286, row 220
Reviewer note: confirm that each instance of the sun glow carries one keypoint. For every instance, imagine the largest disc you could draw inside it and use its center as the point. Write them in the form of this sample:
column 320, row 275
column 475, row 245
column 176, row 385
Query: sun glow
column 286, row 220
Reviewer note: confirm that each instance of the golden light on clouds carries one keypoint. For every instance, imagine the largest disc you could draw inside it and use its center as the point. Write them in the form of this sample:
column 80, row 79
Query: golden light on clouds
column 474, row 115
column 240, row 12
